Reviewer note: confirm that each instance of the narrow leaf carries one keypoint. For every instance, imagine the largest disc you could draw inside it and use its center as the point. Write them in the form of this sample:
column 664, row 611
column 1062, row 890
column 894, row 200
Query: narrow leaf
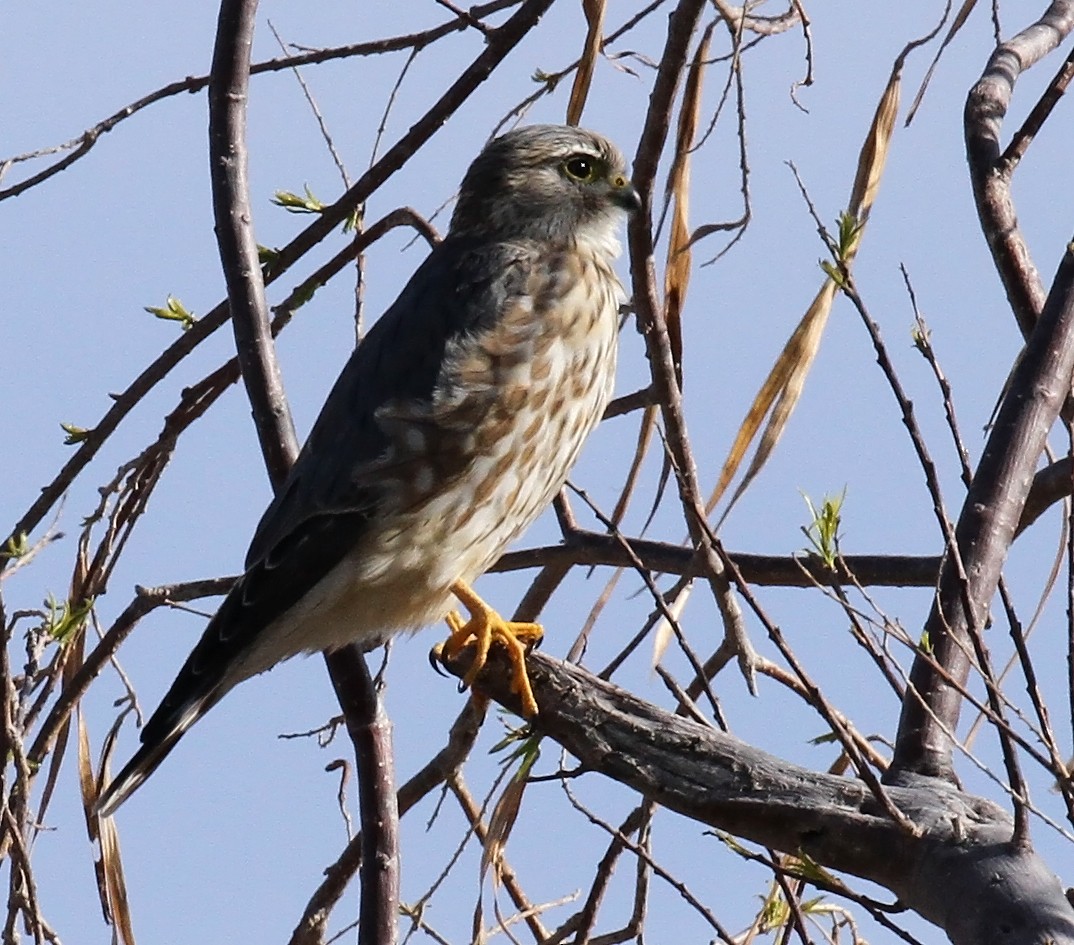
column 783, row 387
column 677, row 271
column 957, row 24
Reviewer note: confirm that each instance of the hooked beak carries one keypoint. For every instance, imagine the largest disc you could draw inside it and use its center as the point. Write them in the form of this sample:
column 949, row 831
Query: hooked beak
column 626, row 195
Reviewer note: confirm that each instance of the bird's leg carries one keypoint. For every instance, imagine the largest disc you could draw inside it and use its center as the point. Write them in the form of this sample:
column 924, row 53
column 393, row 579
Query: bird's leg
column 485, row 625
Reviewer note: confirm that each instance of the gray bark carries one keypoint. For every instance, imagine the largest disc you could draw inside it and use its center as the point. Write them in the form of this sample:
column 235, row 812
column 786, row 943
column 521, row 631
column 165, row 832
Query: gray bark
column 958, row 868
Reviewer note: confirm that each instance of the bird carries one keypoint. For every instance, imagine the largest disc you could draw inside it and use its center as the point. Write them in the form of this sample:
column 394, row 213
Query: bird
column 452, row 426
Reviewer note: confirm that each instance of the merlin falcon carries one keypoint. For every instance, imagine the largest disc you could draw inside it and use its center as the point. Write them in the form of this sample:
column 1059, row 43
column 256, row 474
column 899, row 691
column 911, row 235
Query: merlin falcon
column 452, row 426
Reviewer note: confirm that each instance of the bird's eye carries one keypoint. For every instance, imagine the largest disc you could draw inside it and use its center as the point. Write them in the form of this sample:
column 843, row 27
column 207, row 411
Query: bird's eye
column 581, row 168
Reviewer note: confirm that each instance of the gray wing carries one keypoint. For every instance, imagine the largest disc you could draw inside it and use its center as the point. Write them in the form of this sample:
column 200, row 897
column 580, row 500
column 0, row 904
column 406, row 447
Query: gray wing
column 399, row 361
column 325, row 505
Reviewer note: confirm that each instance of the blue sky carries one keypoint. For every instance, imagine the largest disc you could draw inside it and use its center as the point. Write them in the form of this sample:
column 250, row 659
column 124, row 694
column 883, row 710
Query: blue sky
column 229, row 838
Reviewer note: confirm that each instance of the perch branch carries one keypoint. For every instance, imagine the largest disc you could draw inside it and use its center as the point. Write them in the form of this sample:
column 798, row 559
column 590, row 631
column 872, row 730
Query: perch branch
column 960, row 852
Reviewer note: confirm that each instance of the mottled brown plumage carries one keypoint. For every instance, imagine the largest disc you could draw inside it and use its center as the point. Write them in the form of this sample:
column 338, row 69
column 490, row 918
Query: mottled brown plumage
column 450, row 429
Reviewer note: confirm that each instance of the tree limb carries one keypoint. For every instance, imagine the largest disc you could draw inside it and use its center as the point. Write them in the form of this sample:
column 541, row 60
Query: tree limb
column 986, row 527
column 367, row 724
column 959, row 854
column 229, row 83
column 986, row 106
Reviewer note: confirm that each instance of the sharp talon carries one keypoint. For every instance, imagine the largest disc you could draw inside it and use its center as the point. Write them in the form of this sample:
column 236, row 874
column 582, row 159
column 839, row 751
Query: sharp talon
column 483, row 627
column 462, row 686
column 434, row 659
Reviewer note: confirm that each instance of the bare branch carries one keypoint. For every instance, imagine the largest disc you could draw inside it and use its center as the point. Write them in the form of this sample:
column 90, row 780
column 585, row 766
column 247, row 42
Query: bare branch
column 984, row 532
column 986, row 107
column 228, row 92
column 593, row 548
column 80, row 146
column 959, row 853
column 651, row 318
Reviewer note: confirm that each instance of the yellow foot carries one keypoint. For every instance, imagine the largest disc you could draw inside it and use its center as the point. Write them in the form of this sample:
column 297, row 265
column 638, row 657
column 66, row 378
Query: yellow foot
column 483, row 627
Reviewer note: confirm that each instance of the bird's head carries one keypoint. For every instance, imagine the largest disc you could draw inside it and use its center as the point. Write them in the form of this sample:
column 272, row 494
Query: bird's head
column 552, row 183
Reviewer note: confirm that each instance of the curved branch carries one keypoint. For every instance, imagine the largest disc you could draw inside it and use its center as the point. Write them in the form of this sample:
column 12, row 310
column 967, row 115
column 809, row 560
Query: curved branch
column 986, row 107
column 957, row 854
column 1050, row 485
column 500, row 42
column 996, row 503
column 652, row 322
column 85, row 141
column 985, row 530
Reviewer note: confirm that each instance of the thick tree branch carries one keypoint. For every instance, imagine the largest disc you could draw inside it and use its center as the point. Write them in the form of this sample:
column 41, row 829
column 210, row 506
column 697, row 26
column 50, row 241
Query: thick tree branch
column 959, row 856
column 986, row 527
column 986, row 107
column 997, row 497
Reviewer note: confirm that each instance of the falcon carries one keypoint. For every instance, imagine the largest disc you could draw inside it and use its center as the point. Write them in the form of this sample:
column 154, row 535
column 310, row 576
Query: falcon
column 452, row 426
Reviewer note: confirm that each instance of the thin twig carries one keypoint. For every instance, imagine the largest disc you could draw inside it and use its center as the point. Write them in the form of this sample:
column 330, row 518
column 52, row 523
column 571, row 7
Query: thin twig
column 81, row 145
column 681, row 25
column 986, row 527
column 461, row 737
